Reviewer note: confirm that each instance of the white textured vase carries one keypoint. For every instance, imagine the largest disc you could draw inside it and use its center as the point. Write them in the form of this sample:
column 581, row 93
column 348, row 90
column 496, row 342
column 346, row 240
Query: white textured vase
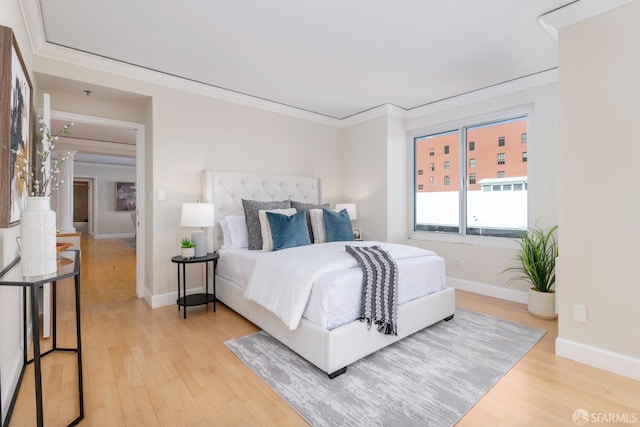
column 38, row 237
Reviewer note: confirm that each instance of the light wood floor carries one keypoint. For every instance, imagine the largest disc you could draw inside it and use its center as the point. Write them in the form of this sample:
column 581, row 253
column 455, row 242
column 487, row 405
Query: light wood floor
column 151, row 367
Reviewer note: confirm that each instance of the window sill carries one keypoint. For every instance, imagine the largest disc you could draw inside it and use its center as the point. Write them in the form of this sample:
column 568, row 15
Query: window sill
column 483, row 241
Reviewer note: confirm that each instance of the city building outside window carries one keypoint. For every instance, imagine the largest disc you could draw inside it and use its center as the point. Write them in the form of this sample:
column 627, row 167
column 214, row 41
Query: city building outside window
column 466, row 207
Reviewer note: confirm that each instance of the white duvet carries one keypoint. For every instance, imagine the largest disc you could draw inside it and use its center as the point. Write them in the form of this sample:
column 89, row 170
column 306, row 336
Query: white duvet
column 282, row 281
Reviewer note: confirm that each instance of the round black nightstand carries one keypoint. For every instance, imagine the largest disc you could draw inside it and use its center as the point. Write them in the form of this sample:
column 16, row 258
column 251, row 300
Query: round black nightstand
column 185, row 300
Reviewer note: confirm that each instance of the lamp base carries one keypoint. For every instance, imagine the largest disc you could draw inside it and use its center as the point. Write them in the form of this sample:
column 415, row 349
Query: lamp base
column 198, row 237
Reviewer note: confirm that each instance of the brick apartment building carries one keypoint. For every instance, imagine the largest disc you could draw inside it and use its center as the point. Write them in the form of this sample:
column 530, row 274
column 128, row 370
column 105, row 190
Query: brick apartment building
column 496, row 150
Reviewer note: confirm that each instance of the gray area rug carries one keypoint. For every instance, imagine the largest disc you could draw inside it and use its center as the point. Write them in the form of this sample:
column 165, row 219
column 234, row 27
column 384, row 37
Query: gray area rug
column 431, row 378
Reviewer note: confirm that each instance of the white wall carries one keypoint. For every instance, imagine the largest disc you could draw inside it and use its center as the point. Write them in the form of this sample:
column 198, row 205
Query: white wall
column 599, row 94
column 377, row 177
column 10, row 298
column 365, row 175
column 108, row 221
column 187, row 132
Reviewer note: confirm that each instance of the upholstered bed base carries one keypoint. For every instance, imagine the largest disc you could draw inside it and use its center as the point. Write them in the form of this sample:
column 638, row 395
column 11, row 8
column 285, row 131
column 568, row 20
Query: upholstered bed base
column 333, row 350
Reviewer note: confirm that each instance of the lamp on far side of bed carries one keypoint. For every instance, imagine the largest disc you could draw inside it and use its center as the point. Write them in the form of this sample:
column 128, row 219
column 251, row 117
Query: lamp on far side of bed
column 351, row 209
column 198, row 215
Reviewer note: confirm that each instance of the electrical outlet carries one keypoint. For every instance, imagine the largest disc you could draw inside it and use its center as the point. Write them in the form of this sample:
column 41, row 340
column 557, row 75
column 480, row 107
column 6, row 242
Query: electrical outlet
column 458, row 263
column 579, row 313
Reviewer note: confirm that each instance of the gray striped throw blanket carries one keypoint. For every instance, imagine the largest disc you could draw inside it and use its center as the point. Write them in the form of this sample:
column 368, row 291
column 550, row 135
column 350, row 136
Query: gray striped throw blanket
column 379, row 287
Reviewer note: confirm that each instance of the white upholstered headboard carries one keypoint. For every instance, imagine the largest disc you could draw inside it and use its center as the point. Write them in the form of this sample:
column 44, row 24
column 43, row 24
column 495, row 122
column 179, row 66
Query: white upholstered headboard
column 229, row 188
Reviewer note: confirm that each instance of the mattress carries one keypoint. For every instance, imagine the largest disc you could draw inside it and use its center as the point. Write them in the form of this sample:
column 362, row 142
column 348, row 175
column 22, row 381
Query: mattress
column 335, row 296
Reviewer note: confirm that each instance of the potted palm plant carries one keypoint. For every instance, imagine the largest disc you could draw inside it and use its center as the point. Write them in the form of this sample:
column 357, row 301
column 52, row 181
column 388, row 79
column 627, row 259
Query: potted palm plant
column 187, row 248
column 537, row 265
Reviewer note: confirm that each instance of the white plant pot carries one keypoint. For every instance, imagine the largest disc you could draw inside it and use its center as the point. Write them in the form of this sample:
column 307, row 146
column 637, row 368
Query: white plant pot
column 187, row 252
column 542, row 304
column 38, row 238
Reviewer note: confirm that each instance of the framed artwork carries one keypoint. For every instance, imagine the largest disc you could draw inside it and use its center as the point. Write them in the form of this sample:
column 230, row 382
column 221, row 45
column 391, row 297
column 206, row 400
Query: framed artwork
column 356, row 234
column 15, row 128
column 125, row 196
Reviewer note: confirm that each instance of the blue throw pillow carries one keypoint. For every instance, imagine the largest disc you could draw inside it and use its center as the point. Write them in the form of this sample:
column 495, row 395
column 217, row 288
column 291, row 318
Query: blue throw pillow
column 337, row 225
column 288, row 231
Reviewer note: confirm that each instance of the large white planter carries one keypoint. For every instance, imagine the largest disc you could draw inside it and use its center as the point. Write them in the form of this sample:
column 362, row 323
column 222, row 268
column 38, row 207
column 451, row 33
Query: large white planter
column 38, row 237
column 542, row 304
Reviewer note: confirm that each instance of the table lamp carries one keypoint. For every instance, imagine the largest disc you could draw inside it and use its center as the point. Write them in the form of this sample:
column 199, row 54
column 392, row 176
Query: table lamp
column 198, row 215
column 351, row 209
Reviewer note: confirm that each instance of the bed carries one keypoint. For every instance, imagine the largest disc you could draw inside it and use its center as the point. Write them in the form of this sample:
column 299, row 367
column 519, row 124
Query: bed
column 329, row 344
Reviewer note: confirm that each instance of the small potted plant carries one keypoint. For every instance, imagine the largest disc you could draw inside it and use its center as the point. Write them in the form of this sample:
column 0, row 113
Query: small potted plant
column 537, row 264
column 187, row 248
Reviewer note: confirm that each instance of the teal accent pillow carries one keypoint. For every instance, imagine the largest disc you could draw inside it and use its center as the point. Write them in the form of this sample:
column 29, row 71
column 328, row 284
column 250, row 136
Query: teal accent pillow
column 337, row 225
column 288, row 231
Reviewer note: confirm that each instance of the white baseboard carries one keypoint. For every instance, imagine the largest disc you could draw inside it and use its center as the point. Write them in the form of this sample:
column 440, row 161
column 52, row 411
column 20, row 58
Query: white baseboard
column 488, row 290
column 170, row 298
column 10, row 384
column 599, row 358
column 114, row 236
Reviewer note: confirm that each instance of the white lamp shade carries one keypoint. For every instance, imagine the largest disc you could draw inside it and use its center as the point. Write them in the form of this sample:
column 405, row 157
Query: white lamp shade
column 197, row 215
column 351, row 209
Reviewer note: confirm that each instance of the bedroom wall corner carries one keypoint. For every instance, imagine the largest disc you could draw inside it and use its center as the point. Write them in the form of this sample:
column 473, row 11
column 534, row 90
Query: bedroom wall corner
column 599, row 100
column 365, row 175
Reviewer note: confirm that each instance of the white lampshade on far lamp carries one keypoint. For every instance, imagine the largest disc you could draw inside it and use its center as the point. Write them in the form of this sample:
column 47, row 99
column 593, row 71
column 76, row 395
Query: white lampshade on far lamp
column 198, row 215
column 351, row 209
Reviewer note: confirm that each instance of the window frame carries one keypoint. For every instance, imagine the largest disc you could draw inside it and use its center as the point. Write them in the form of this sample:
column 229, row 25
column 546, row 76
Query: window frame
column 468, row 121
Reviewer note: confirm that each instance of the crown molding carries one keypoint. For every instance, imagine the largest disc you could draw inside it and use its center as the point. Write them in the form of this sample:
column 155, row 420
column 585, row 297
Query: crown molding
column 382, row 110
column 32, row 17
column 41, row 48
column 515, row 85
column 576, row 12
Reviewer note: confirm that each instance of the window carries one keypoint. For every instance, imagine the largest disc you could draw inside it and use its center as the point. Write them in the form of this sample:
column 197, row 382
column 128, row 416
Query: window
column 420, row 187
column 420, row 172
column 451, row 204
column 524, row 156
column 431, row 152
column 523, row 137
column 501, row 141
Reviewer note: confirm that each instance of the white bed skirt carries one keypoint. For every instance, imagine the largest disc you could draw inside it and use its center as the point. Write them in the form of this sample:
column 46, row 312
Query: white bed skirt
column 333, row 350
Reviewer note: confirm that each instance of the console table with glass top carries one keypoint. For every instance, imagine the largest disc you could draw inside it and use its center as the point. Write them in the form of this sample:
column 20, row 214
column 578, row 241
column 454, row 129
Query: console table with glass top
column 68, row 264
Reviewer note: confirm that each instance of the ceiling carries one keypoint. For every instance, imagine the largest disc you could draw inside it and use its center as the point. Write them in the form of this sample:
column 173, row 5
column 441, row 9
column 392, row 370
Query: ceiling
column 330, row 57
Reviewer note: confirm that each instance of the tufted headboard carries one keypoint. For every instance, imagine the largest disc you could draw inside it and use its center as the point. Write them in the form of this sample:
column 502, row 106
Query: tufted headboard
column 229, row 188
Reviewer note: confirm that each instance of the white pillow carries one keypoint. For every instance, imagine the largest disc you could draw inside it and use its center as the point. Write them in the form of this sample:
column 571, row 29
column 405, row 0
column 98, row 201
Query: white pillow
column 226, row 234
column 265, row 229
column 317, row 226
column 238, row 231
